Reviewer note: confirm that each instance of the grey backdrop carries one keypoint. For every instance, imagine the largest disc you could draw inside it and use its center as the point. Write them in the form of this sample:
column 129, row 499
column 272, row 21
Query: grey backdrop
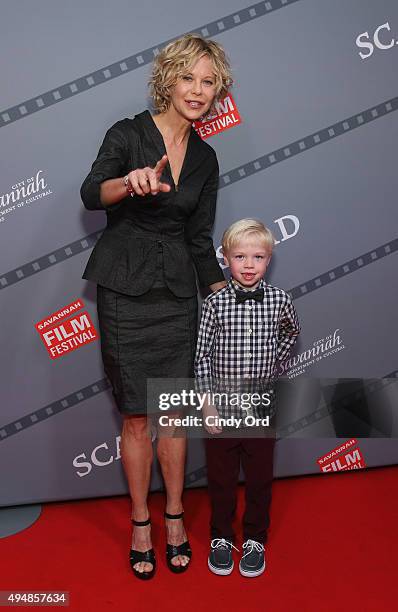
column 317, row 141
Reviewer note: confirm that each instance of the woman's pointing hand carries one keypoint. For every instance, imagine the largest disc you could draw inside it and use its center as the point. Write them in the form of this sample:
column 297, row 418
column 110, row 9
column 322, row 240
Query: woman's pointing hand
column 147, row 180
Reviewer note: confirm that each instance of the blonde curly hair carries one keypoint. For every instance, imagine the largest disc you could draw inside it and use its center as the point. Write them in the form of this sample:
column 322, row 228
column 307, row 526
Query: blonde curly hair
column 175, row 60
column 246, row 229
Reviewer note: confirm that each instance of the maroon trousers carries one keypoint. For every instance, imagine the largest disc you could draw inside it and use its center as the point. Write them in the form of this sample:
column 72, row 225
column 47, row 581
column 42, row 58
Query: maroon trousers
column 224, row 457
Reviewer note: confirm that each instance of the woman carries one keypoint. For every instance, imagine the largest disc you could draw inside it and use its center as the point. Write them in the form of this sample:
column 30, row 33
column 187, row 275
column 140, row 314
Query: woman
column 142, row 264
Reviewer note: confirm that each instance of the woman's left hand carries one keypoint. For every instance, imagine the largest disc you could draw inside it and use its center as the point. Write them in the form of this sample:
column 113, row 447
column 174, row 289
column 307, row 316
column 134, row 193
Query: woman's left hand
column 216, row 286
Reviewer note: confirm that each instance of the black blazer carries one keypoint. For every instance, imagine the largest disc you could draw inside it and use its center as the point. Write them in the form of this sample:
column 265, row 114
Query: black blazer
column 124, row 257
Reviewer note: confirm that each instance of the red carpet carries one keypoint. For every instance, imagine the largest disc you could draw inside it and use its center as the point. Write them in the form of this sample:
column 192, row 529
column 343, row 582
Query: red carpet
column 333, row 546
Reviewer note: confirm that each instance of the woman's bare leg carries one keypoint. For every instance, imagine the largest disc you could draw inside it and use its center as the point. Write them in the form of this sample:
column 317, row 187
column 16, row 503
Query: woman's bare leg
column 137, row 455
column 171, row 452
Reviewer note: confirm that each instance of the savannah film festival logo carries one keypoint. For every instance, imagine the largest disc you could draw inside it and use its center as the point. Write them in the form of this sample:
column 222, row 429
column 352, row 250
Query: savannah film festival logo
column 226, row 116
column 66, row 330
column 347, row 456
column 23, row 193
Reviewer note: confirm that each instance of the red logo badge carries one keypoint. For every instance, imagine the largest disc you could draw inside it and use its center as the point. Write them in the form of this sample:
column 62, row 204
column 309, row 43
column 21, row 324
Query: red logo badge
column 347, row 456
column 227, row 116
column 66, row 330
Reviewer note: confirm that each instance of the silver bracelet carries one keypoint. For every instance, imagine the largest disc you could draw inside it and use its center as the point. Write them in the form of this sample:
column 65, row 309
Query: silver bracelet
column 128, row 185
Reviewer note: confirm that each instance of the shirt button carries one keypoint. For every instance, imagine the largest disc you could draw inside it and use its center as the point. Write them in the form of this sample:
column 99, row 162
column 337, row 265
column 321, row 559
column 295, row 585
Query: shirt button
column 249, row 355
column 250, row 331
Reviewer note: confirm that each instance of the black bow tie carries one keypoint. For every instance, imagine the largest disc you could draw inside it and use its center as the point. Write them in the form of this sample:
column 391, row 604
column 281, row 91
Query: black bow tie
column 257, row 295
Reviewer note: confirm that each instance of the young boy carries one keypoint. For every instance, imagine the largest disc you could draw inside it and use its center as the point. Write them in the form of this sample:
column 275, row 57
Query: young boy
column 245, row 328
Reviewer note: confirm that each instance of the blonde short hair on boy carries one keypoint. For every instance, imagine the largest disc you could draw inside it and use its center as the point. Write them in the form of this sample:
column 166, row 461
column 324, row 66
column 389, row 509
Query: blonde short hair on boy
column 246, row 229
column 177, row 58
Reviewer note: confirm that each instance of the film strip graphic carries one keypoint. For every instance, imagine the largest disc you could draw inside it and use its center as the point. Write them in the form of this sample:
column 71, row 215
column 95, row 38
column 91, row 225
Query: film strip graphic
column 336, row 406
column 309, row 142
column 103, row 384
column 262, row 163
column 190, row 478
column 54, row 408
column 48, row 260
column 194, row 476
column 344, row 269
column 128, row 64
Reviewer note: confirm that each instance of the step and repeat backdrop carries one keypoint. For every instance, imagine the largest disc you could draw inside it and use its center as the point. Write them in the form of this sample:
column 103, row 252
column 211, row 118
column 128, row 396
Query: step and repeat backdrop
column 306, row 142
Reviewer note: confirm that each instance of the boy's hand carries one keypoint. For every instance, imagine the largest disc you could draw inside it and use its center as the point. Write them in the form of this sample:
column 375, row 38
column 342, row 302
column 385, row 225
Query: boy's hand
column 209, row 410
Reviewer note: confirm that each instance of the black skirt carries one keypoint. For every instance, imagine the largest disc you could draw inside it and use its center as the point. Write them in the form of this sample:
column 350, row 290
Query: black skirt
column 147, row 336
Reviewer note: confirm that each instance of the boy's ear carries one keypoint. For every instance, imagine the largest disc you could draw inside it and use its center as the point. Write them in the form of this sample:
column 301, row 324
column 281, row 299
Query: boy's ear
column 225, row 258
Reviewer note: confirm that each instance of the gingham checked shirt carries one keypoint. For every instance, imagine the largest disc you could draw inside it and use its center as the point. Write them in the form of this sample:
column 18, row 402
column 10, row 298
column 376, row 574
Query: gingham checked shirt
column 244, row 341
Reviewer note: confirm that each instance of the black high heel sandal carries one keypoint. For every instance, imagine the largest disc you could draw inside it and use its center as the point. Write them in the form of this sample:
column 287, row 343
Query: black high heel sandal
column 173, row 551
column 137, row 556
